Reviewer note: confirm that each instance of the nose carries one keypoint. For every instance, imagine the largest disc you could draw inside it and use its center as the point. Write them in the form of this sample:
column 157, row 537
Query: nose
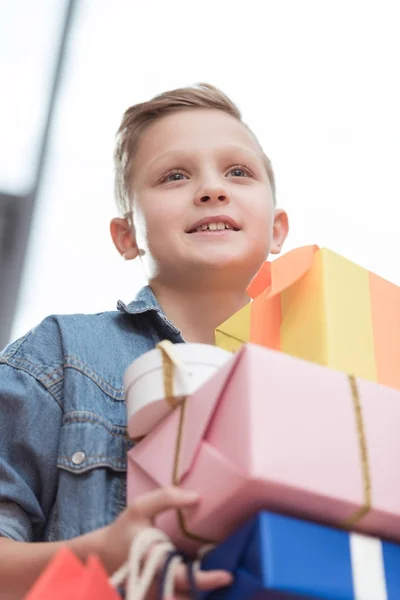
column 212, row 194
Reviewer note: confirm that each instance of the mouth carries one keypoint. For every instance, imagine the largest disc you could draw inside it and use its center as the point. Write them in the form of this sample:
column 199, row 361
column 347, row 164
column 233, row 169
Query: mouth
column 217, row 224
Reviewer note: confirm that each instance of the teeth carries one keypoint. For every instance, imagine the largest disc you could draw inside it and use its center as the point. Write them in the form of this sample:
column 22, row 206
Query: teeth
column 214, row 227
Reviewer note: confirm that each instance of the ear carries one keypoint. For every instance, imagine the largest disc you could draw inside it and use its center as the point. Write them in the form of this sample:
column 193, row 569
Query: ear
column 123, row 236
column 280, row 230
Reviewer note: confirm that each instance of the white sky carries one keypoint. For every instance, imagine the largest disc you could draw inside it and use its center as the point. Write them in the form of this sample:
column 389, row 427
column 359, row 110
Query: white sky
column 318, row 82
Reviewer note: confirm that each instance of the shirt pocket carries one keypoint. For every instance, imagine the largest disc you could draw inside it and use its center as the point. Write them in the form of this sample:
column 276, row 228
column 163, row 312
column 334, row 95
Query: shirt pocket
column 92, row 475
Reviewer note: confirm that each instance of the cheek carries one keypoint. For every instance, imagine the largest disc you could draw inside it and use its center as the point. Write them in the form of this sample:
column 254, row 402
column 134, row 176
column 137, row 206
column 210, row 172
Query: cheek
column 153, row 218
column 259, row 222
column 260, row 212
column 168, row 214
column 161, row 231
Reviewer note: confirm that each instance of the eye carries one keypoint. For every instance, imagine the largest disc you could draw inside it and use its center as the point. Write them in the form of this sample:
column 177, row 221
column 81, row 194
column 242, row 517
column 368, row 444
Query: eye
column 240, row 171
column 173, row 175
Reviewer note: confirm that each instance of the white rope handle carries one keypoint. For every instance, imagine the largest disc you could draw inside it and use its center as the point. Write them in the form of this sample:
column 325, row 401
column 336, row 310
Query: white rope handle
column 139, row 582
column 201, row 552
column 149, row 547
column 169, row 582
column 137, row 587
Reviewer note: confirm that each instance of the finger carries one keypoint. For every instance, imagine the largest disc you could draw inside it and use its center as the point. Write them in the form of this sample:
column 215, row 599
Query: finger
column 154, row 593
column 205, row 580
column 151, row 504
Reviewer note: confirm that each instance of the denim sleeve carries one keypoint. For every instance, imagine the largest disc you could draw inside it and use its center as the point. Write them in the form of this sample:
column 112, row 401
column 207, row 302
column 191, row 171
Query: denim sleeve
column 30, row 422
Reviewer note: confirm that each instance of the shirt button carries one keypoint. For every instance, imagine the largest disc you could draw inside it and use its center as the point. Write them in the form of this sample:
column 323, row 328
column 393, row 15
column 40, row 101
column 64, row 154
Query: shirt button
column 78, row 458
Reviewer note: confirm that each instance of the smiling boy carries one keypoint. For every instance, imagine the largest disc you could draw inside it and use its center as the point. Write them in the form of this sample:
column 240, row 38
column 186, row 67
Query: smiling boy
column 197, row 195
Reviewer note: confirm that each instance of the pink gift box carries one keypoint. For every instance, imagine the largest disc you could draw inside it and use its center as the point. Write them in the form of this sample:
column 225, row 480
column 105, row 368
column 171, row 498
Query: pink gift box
column 269, row 431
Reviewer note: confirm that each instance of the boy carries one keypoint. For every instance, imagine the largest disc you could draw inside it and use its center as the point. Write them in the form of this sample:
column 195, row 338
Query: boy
column 197, row 195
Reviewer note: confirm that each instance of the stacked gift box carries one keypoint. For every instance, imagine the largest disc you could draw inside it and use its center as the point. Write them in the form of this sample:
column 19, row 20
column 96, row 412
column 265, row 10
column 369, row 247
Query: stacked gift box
column 289, row 430
column 316, row 305
column 291, row 439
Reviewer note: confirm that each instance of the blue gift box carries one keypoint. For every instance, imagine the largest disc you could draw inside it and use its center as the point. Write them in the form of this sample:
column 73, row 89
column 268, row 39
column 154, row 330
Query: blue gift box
column 278, row 557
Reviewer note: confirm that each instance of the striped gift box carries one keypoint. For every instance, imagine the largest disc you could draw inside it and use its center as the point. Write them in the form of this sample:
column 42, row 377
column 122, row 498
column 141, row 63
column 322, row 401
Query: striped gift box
column 276, row 557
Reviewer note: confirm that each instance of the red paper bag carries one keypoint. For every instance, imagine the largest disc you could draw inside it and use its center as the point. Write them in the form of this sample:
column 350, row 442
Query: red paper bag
column 66, row 577
column 94, row 584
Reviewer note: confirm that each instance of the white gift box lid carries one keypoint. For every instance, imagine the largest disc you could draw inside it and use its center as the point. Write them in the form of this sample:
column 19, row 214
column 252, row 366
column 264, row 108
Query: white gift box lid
column 145, row 387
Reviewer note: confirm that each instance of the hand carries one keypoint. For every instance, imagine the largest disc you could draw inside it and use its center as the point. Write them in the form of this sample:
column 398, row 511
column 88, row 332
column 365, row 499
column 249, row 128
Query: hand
column 117, row 538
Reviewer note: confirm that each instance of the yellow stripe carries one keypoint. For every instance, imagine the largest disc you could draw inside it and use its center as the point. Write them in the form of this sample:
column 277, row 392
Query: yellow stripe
column 227, row 342
column 348, row 317
column 233, row 333
column 327, row 319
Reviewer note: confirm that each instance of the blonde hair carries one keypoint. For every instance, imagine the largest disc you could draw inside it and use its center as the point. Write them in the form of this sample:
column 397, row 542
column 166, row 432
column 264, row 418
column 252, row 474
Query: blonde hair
column 139, row 116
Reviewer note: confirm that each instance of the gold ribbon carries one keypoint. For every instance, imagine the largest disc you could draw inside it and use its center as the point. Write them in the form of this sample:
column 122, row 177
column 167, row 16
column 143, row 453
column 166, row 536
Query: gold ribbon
column 175, row 479
column 362, row 444
column 169, row 364
column 168, row 368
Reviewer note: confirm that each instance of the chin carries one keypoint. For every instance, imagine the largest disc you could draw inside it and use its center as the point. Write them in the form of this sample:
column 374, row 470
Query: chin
column 218, row 262
column 236, row 265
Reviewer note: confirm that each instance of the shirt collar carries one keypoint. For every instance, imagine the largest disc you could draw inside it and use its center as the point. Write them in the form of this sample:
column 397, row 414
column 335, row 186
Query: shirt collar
column 145, row 301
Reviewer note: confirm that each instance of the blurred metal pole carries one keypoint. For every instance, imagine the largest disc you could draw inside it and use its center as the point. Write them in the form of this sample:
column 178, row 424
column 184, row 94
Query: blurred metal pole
column 16, row 213
column 54, row 91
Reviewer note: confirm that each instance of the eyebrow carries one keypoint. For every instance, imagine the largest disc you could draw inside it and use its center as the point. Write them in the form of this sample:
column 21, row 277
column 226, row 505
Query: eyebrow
column 178, row 154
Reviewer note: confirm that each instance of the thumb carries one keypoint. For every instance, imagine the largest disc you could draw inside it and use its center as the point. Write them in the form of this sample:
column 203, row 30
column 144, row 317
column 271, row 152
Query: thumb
column 151, row 504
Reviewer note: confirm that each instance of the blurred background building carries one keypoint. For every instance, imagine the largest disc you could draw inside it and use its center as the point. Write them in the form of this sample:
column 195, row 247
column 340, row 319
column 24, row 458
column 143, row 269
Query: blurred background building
column 317, row 82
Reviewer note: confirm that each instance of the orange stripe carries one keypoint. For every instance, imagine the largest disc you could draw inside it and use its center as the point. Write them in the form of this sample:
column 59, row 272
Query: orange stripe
column 303, row 326
column 261, row 282
column 385, row 308
column 265, row 322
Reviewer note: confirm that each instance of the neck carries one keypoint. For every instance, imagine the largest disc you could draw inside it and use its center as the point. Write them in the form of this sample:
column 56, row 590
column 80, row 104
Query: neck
column 197, row 313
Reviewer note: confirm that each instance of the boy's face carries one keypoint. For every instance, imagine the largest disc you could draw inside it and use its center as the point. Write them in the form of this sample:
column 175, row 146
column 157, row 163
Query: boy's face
column 199, row 168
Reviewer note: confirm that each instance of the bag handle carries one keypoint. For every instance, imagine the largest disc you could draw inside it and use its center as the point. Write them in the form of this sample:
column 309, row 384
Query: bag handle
column 166, row 589
column 149, row 547
column 138, row 583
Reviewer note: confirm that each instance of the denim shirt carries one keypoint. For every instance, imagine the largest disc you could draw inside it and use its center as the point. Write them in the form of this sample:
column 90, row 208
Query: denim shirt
column 63, row 438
